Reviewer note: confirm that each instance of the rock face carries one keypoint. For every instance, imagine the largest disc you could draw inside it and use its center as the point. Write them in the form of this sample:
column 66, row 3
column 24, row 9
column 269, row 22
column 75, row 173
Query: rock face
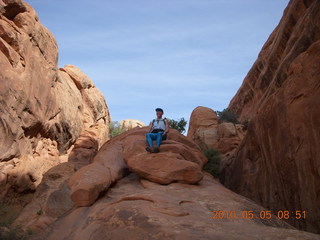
column 43, row 110
column 136, row 205
column 51, row 199
column 180, row 160
column 131, row 123
column 230, row 137
column 28, row 59
column 208, row 133
column 142, row 209
column 278, row 162
column 203, row 127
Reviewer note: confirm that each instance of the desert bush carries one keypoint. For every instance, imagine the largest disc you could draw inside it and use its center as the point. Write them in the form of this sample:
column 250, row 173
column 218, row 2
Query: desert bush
column 214, row 160
column 14, row 233
column 227, row 115
column 115, row 129
column 245, row 125
column 179, row 124
column 9, row 213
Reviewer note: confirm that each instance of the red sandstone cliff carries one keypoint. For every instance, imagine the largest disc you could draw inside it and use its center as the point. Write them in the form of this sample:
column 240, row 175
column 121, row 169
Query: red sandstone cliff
column 278, row 162
column 43, row 110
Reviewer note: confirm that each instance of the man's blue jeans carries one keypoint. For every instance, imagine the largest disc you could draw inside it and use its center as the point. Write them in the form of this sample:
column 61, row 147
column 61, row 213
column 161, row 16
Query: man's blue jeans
column 155, row 137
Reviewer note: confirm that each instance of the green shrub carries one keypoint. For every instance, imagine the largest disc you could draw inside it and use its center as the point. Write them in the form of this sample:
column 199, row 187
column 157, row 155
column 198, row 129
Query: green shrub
column 245, row 125
column 227, row 115
column 39, row 212
column 14, row 233
column 9, row 213
column 115, row 129
column 214, row 160
column 179, row 125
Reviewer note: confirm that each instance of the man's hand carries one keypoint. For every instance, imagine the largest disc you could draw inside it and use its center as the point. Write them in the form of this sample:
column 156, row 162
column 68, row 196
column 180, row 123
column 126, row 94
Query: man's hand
column 165, row 133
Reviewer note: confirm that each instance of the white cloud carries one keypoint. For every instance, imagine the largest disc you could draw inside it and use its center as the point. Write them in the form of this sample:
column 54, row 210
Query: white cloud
column 174, row 53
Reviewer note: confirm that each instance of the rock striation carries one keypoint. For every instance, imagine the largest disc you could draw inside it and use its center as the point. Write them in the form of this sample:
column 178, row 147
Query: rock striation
column 46, row 113
column 278, row 162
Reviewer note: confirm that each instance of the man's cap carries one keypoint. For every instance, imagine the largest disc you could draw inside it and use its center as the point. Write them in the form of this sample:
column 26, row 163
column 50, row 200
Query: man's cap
column 159, row 110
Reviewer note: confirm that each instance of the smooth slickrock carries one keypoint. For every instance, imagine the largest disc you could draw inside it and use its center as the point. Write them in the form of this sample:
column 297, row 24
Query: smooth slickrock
column 278, row 162
column 139, row 209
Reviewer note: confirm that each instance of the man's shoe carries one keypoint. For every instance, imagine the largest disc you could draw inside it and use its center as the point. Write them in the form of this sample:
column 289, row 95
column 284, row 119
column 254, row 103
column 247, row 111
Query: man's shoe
column 156, row 150
column 150, row 149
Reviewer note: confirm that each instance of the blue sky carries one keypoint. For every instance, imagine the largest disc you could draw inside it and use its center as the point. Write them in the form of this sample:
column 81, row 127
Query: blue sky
column 174, row 54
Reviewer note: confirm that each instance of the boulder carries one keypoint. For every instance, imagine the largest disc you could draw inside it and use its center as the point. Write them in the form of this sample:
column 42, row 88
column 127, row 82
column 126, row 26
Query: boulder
column 165, row 168
column 178, row 161
column 94, row 106
column 278, row 162
column 90, row 181
column 208, row 133
column 130, row 123
column 203, row 127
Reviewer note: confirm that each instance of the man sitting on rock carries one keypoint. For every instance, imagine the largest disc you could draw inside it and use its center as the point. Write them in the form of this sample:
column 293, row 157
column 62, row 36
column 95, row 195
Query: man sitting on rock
column 158, row 130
